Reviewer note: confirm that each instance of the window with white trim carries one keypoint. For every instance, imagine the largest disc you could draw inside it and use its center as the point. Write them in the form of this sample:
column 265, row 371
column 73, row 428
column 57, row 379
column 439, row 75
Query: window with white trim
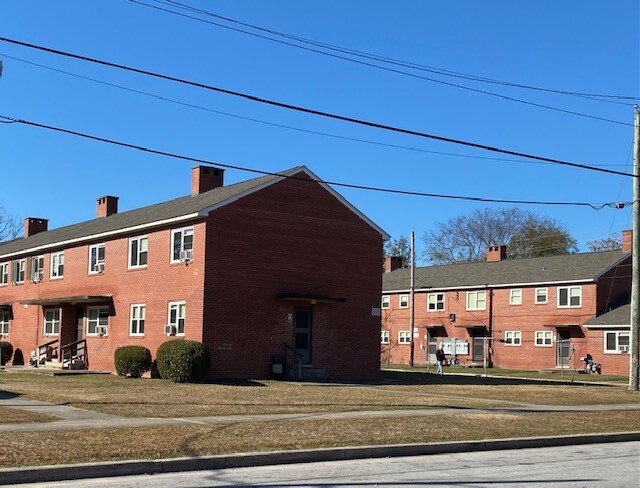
column 435, row 302
column 5, row 316
column 386, row 302
column 543, row 338
column 136, row 319
column 616, row 341
column 138, row 247
column 515, row 296
column 18, row 270
column 384, row 337
column 96, row 258
column 51, row 321
column 57, row 266
column 97, row 320
column 177, row 316
column 476, row 300
column 569, row 296
column 403, row 301
column 4, row 274
column 181, row 240
column 36, row 268
column 404, row 337
column 513, row 337
column 542, row 295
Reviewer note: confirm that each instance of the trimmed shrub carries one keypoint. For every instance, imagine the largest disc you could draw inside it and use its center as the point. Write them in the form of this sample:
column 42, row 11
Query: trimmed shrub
column 6, row 351
column 132, row 361
column 183, row 361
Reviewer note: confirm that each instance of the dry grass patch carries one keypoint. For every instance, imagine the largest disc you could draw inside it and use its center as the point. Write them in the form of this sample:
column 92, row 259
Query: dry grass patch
column 42, row 448
column 10, row 415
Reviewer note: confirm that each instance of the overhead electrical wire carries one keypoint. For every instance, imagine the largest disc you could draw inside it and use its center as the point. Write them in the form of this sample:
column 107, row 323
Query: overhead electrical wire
column 405, row 73
column 408, row 64
column 313, row 111
column 275, row 124
column 334, row 183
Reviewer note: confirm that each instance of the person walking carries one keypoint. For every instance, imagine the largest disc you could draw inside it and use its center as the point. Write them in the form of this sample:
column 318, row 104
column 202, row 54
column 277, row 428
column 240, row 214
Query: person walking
column 440, row 358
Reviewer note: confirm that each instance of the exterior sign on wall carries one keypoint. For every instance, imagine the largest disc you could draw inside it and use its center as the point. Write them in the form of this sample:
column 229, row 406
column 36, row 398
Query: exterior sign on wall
column 376, row 311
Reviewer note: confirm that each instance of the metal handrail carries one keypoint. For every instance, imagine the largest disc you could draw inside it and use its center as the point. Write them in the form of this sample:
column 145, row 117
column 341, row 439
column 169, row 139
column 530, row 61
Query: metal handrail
column 67, row 355
column 296, row 361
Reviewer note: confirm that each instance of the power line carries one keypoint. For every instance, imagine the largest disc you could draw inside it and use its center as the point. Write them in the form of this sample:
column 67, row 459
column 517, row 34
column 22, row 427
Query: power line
column 313, row 111
column 274, row 124
column 405, row 73
column 346, row 185
column 376, row 57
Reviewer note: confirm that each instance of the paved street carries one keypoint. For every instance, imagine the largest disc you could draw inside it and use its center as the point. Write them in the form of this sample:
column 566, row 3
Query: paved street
column 596, row 465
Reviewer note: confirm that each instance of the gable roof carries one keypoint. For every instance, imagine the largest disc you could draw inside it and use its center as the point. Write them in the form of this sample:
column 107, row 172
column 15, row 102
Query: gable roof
column 172, row 211
column 564, row 268
column 620, row 316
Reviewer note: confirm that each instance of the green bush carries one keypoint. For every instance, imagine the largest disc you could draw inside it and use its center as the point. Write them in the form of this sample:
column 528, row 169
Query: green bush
column 132, row 361
column 183, row 361
column 6, row 351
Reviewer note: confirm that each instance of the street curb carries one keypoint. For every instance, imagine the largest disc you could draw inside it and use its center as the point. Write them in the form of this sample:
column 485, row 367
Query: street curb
column 40, row 474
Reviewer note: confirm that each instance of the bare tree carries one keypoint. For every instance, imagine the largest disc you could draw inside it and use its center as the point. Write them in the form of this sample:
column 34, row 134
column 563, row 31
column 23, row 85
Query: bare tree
column 465, row 238
column 11, row 227
column 611, row 243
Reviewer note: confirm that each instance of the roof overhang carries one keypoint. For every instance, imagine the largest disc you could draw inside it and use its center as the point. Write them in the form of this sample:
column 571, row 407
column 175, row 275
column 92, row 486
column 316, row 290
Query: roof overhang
column 312, row 299
column 72, row 300
column 606, row 326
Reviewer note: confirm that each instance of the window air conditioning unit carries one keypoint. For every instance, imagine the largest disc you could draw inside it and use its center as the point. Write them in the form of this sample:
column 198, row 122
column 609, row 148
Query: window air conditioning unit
column 98, row 267
column 186, row 256
column 170, row 330
column 623, row 348
column 101, row 330
column 37, row 276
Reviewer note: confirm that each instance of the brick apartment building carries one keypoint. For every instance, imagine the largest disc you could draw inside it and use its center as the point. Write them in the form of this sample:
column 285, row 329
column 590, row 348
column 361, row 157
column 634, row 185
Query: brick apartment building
column 245, row 268
column 531, row 314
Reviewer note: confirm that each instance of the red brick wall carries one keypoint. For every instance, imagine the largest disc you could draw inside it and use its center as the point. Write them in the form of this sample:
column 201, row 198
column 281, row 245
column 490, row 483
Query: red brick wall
column 291, row 237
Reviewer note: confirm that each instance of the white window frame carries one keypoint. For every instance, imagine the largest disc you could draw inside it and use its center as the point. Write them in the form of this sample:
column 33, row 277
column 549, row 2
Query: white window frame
column 546, row 296
column 515, row 296
column 19, row 276
column 543, row 338
column 513, row 337
column 400, row 305
column 184, row 232
column 36, row 268
column 475, row 295
column 176, row 305
column 141, row 253
column 90, row 322
column 404, row 337
column 569, row 296
column 53, row 324
column 137, row 320
column 435, row 302
column 4, row 274
column 92, row 264
column 385, row 302
column 617, row 334
column 5, row 320
column 56, row 266
column 384, row 337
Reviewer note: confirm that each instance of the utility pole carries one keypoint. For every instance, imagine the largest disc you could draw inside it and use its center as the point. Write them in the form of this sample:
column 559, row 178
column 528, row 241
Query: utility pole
column 635, row 255
column 412, row 291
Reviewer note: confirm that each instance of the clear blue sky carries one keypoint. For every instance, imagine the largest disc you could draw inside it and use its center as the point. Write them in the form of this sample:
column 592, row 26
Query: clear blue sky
column 576, row 45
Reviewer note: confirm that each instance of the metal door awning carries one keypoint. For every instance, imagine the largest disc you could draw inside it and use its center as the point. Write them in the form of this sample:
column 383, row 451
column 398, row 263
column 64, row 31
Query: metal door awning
column 471, row 326
column 435, row 326
column 72, row 300
column 562, row 326
column 302, row 297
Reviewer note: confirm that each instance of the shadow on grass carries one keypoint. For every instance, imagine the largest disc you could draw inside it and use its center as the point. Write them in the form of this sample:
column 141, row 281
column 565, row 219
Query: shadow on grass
column 233, row 382
column 8, row 395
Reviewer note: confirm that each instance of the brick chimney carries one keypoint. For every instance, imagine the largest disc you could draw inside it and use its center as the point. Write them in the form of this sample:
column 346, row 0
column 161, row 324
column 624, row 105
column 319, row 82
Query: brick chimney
column 496, row 253
column 33, row 225
column 392, row 263
column 107, row 205
column 627, row 240
column 205, row 178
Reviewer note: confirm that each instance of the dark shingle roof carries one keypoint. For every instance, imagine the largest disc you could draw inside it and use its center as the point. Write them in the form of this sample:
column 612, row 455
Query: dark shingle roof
column 547, row 269
column 146, row 215
column 617, row 316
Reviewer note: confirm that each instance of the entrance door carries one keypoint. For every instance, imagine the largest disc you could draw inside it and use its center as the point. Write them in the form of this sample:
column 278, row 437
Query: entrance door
column 302, row 333
column 478, row 350
column 563, row 348
column 432, row 345
column 79, row 323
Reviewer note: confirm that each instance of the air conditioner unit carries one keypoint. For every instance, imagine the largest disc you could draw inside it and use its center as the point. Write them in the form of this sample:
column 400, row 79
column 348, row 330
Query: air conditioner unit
column 101, row 330
column 186, row 256
column 170, row 330
column 98, row 267
column 623, row 348
column 37, row 276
